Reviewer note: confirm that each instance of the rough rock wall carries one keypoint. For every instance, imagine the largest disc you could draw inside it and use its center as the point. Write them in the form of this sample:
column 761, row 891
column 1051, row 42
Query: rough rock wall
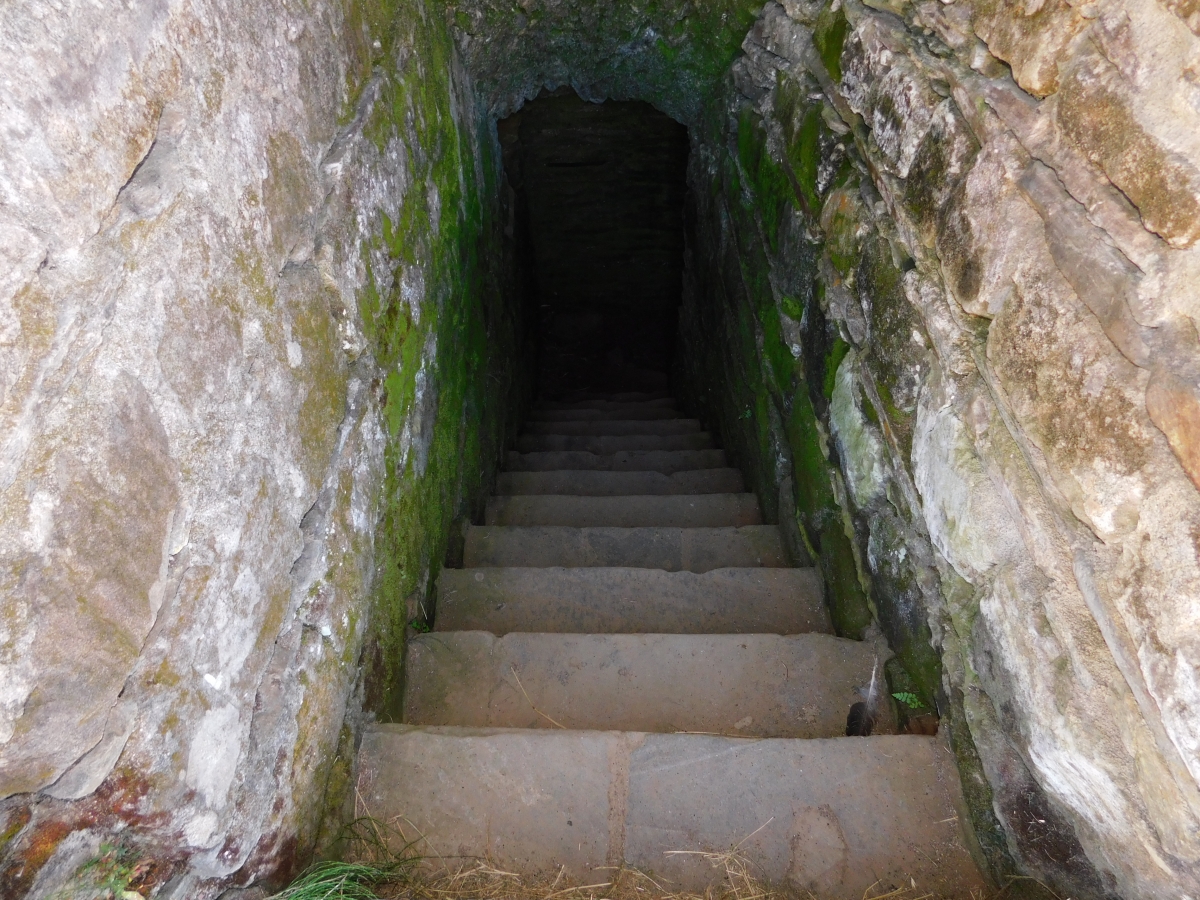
column 252, row 365
column 950, row 249
column 671, row 53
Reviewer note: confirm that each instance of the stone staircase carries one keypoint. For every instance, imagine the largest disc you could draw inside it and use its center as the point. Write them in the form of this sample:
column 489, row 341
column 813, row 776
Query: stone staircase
column 627, row 666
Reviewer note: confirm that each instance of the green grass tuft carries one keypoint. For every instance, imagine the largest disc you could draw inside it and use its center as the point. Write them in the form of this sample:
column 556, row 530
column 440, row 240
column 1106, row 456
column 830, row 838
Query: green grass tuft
column 337, row 881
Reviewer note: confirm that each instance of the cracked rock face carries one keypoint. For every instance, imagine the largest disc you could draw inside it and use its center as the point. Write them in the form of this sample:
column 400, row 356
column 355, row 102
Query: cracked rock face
column 192, row 437
column 174, row 399
column 1018, row 244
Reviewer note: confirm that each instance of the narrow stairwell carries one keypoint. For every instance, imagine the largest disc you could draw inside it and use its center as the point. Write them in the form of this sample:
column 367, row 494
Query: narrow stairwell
column 627, row 666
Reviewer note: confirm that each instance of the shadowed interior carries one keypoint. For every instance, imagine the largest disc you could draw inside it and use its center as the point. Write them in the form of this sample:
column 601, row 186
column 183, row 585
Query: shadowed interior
column 600, row 190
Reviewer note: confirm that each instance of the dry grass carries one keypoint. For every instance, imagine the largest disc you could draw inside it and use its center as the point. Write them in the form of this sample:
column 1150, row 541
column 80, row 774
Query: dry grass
column 480, row 880
column 418, row 872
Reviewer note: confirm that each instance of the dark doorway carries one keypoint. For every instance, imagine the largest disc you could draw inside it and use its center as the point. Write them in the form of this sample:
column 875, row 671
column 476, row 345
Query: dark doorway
column 600, row 197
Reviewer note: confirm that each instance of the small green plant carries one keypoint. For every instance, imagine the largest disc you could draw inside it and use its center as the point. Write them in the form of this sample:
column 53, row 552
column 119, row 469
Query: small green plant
column 375, row 862
column 336, row 881
column 909, row 699
column 419, row 625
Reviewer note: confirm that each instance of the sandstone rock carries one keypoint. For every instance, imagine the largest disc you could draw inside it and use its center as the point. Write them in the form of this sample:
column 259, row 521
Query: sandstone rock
column 1031, row 37
column 1096, row 112
column 1173, row 407
column 200, row 206
column 1060, row 382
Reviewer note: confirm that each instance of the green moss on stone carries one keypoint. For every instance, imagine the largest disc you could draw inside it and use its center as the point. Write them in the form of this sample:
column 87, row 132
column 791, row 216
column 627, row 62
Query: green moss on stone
column 834, row 359
column 804, row 154
column 841, row 218
column 829, row 36
column 770, row 184
column 849, row 606
column 441, row 463
column 817, row 506
column 814, row 497
column 779, row 355
column 792, row 308
column 898, row 342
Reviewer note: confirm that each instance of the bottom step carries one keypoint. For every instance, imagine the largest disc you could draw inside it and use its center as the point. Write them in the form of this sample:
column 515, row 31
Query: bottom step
column 833, row 816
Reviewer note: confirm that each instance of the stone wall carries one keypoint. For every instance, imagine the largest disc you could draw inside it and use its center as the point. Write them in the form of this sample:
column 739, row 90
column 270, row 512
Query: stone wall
column 259, row 330
column 670, row 53
column 255, row 352
column 943, row 295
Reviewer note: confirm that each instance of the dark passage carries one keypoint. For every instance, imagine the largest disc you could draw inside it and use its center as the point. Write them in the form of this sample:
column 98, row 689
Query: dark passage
column 600, row 190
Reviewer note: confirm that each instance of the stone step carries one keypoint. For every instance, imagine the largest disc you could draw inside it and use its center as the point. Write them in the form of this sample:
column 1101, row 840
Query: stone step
column 623, row 600
column 687, row 511
column 581, row 398
column 836, row 817
column 665, row 461
column 607, row 405
column 627, row 412
column 540, row 443
column 739, row 685
column 584, row 482
column 670, row 549
column 616, row 427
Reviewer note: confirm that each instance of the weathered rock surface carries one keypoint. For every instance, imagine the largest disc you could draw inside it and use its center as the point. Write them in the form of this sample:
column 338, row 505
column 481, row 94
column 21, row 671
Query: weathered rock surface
column 1001, row 361
column 212, row 215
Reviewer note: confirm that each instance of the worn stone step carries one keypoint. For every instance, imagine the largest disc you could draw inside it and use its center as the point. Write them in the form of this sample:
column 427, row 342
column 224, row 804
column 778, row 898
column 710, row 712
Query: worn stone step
column 627, row 412
column 836, row 817
column 665, row 461
column 670, row 549
column 616, row 427
column 540, row 443
column 626, row 600
column 584, row 482
column 649, row 395
column 749, row 685
column 631, row 401
column 687, row 511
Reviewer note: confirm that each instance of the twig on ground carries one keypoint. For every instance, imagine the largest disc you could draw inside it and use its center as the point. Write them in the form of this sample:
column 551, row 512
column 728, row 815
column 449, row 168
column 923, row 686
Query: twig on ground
column 513, row 669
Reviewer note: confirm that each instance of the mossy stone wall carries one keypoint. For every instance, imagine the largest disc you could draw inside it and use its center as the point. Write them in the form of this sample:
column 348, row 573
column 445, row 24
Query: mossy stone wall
column 444, row 323
column 262, row 245
column 900, row 250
